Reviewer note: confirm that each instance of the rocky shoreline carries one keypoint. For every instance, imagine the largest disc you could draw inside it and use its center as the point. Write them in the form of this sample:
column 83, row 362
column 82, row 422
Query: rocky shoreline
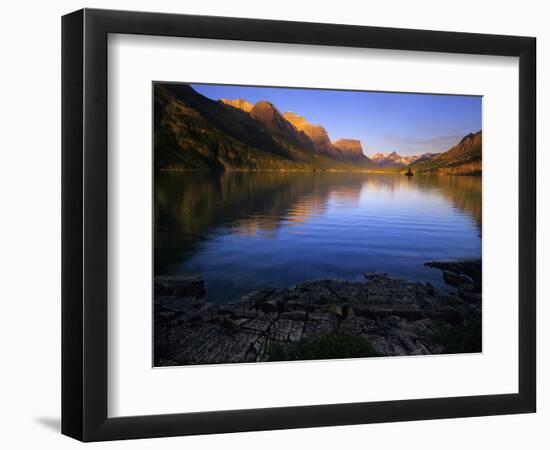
column 320, row 319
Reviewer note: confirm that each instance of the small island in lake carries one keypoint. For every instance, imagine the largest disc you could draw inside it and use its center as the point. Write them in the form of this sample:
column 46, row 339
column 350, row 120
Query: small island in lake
column 275, row 242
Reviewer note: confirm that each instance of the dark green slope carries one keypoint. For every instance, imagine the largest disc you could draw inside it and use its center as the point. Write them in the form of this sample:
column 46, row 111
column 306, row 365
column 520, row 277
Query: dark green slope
column 194, row 132
column 462, row 159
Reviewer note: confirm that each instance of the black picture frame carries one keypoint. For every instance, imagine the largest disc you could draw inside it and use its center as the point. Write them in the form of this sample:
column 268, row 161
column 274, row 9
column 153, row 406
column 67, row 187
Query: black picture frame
column 84, row 224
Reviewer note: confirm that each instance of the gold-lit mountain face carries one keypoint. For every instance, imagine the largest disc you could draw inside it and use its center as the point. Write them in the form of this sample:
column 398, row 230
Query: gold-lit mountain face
column 194, row 132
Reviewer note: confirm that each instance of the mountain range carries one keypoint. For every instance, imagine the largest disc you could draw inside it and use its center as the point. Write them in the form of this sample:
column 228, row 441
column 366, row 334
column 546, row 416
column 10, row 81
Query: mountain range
column 194, row 132
column 393, row 159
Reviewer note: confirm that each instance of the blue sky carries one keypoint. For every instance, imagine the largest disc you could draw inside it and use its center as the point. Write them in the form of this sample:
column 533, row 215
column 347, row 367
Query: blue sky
column 384, row 122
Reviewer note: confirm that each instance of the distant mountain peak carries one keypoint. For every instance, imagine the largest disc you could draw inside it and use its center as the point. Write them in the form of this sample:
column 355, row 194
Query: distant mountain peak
column 239, row 103
column 353, row 145
column 349, row 141
column 377, row 156
column 394, row 159
column 351, row 148
column 391, row 155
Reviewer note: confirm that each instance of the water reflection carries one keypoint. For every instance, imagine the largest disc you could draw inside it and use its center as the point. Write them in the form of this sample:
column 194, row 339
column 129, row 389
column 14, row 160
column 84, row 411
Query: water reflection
column 244, row 231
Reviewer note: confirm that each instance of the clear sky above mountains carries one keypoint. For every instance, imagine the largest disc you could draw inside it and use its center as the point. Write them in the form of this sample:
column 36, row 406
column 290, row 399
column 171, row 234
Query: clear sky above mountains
column 384, row 122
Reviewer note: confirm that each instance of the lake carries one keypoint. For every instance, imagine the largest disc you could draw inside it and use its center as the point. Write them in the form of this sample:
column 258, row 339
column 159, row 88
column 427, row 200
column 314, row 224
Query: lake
column 243, row 231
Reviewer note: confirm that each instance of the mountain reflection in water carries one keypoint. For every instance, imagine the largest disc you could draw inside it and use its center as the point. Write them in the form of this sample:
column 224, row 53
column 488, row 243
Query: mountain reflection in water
column 243, row 231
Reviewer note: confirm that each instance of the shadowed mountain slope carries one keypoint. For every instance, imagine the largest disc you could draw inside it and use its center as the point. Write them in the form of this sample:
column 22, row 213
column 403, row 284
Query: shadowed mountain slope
column 316, row 133
column 346, row 150
column 193, row 132
column 462, row 159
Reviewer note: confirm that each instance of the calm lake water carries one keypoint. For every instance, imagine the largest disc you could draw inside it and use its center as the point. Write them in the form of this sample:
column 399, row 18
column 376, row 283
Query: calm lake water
column 245, row 231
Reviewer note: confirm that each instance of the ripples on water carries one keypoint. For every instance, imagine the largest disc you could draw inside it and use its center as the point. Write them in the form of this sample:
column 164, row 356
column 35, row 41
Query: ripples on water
column 245, row 231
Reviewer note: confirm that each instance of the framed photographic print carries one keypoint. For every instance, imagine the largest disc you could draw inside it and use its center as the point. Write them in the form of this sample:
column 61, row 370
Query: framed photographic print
column 274, row 224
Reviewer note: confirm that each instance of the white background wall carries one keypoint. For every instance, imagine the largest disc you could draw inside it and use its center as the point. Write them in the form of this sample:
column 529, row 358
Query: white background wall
column 30, row 222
